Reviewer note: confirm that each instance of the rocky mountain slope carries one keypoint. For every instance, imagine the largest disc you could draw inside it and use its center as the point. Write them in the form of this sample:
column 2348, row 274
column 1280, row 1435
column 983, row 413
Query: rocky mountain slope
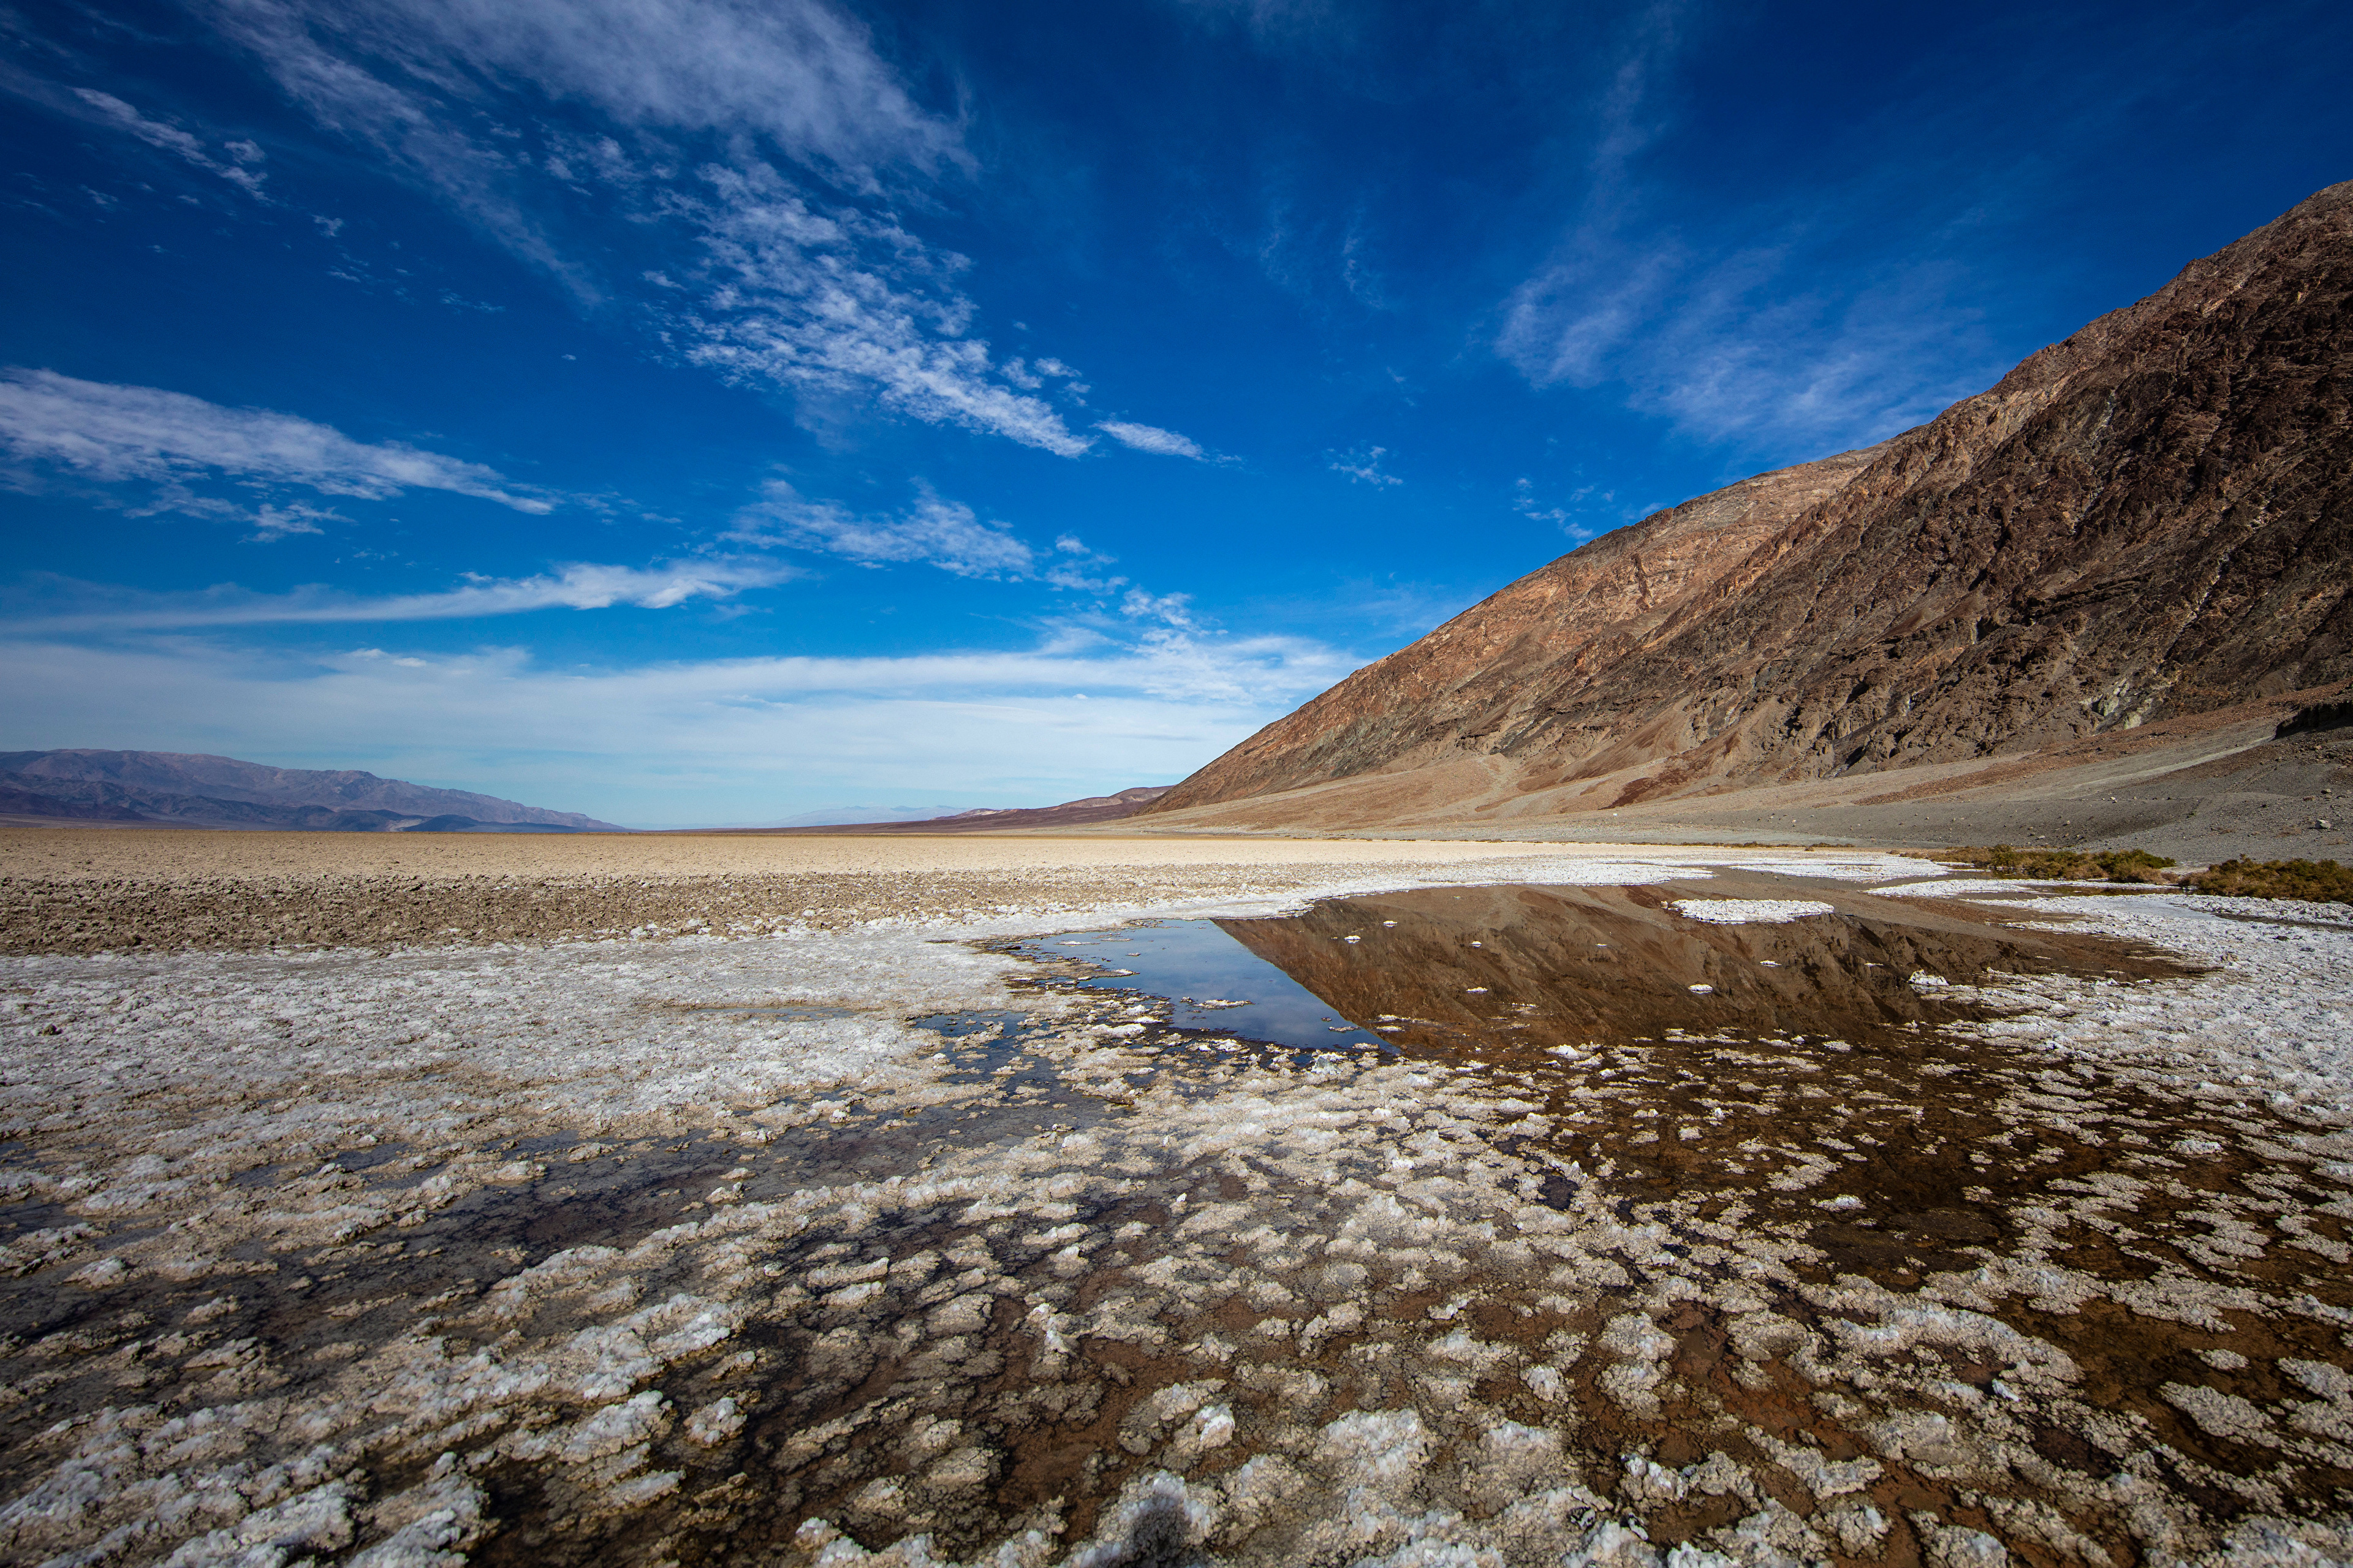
column 198, row 791
column 2151, row 519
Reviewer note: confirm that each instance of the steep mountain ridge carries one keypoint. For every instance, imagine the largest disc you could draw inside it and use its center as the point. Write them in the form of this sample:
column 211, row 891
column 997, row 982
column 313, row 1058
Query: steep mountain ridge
column 195, row 789
column 2152, row 518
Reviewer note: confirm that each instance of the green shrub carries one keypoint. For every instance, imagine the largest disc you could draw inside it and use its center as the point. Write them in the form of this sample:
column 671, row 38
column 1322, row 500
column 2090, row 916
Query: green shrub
column 2065, row 865
column 2319, row 881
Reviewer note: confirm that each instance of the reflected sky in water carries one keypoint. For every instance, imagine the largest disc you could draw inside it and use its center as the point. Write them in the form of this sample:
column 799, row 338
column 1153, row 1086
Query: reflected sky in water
column 1194, row 964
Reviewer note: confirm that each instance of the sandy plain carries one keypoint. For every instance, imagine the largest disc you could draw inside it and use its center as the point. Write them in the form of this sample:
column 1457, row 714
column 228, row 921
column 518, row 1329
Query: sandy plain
column 394, row 1202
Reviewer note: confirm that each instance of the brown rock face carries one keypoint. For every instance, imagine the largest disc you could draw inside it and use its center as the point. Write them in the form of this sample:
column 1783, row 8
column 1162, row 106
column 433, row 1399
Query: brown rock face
column 2152, row 518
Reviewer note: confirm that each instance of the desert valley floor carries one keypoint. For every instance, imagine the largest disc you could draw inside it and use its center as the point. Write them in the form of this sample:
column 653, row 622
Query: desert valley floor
column 382, row 1200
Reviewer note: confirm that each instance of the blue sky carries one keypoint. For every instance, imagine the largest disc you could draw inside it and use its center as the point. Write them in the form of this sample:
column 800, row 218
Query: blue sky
column 692, row 413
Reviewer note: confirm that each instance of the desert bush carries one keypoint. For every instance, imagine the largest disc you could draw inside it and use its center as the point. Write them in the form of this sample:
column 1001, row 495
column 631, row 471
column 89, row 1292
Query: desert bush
column 2065, row 865
column 2320, row 881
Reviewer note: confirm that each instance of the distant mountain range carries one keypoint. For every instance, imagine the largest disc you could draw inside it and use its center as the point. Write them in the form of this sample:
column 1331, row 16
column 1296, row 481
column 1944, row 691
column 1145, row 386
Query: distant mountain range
column 191, row 790
column 853, row 815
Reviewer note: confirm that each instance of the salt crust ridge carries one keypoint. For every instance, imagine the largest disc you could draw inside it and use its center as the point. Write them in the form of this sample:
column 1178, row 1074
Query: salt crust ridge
column 201, row 1068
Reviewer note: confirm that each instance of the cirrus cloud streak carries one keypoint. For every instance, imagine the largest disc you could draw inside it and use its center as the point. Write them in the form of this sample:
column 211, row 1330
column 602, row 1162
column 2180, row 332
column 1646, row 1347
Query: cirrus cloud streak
column 752, row 276
column 580, row 586
column 941, row 533
column 236, row 168
column 113, row 433
column 1151, row 438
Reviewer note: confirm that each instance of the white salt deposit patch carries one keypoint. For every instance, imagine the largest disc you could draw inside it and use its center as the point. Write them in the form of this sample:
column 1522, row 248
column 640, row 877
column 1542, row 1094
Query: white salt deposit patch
column 1968, row 887
column 1855, row 867
column 342, row 1044
column 2275, row 1024
column 1954, row 887
column 1750, row 912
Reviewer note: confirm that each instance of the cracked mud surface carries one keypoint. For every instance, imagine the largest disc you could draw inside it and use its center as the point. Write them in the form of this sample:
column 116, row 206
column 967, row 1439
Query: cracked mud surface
column 1920, row 1234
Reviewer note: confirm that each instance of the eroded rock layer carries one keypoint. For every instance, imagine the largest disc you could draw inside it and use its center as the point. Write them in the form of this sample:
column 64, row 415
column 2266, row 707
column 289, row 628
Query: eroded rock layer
column 2149, row 520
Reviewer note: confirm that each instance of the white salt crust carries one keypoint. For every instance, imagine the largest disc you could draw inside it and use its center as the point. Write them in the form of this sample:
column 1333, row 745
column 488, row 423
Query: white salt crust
column 166, row 1080
column 2274, row 1023
column 1962, row 887
column 1750, row 912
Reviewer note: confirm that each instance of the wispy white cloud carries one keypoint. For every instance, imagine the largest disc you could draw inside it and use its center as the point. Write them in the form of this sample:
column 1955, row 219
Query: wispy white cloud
column 1077, row 569
column 271, row 523
column 577, row 586
column 114, row 435
column 838, row 300
column 1150, row 438
column 1324, row 257
column 1169, row 609
column 934, row 531
column 802, row 74
column 1565, row 517
column 1085, row 709
column 238, row 163
column 754, row 278
column 1363, row 466
column 1727, row 332
column 1737, row 347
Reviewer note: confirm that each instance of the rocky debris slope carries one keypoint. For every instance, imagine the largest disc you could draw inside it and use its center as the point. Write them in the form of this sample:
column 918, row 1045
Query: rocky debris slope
column 202, row 791
column 2153, row 518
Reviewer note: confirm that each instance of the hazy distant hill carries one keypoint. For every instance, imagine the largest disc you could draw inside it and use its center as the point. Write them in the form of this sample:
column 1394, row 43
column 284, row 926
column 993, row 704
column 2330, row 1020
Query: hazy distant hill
column 854, row 815
column 194, row 790
column 994, row 819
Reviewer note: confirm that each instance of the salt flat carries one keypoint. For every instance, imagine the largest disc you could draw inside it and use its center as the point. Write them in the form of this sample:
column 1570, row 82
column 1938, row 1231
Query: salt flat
column 84, row 891
column 116, row 852
column 682, row 1199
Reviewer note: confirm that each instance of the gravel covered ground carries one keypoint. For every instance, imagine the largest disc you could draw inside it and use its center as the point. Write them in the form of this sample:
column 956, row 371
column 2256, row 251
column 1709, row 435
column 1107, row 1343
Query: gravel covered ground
column 87, row 890
column 832, row 1234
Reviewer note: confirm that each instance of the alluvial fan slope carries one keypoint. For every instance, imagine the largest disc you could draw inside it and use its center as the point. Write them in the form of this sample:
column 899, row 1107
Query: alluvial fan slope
column 2149, row 520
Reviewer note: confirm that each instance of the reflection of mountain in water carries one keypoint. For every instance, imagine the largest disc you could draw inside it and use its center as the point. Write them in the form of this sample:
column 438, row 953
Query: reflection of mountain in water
column 1810, row 1105
column 1814, row 1045
column 1513, row 968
